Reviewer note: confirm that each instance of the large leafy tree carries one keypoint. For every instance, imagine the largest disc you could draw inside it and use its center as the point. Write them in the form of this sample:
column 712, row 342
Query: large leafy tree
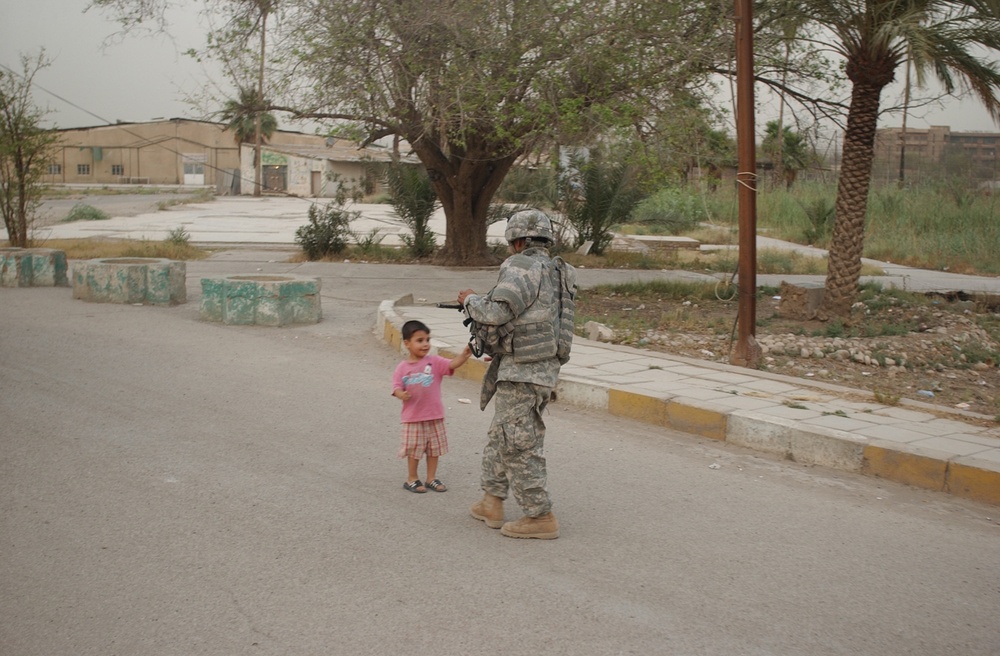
column 25, row 149
column 473, row 86
column 956, row 40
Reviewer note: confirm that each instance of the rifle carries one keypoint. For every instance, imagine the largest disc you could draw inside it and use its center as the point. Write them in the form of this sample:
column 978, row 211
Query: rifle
column 475, row 343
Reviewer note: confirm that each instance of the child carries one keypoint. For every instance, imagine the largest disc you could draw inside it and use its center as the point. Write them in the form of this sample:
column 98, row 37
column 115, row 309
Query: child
column 417, row 382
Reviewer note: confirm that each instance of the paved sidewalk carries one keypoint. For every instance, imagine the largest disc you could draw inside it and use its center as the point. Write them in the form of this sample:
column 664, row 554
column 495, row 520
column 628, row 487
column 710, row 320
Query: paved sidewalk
column 814, row 423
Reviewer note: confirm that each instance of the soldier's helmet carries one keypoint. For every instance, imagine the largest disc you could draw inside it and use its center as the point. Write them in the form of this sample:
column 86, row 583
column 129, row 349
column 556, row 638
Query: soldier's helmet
column 533, row 224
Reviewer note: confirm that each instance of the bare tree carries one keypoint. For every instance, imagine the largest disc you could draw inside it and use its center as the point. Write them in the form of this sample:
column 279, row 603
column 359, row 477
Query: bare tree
column 25, row 149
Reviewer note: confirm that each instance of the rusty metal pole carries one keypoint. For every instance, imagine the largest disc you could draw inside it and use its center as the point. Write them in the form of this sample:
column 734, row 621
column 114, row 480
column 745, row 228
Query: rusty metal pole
column 746, row 352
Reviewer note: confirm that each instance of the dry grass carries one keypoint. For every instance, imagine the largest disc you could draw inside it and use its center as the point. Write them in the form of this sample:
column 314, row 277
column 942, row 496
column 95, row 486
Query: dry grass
column 719, row 261
column 89, row 249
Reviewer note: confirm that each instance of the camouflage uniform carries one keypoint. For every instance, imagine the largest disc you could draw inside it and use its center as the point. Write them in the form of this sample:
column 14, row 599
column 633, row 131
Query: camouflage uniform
column 527, row 296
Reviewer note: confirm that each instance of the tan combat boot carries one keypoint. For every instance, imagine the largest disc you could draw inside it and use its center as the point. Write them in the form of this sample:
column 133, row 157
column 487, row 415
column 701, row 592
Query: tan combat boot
column 490, row 510
column 544, row 527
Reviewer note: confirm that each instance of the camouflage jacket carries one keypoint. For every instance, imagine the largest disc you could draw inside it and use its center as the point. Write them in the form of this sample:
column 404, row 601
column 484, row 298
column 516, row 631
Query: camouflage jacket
column 526, row 295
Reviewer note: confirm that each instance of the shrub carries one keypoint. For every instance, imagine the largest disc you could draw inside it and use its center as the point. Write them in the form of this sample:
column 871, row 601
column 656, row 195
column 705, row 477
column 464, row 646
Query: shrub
column 598, row 195
column 820, row 212
column 672, row 210
column 327, row 231
column 178, row 237
column 368, row 243
column 84, row 212
column 413, row 200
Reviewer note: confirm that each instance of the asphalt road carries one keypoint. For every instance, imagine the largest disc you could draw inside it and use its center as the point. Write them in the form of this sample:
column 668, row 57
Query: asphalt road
column 174, row 487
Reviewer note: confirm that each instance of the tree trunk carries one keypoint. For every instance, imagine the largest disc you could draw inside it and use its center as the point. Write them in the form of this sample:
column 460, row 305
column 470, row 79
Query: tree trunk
column 465, row 185
column 18, row 237
column 847, row 243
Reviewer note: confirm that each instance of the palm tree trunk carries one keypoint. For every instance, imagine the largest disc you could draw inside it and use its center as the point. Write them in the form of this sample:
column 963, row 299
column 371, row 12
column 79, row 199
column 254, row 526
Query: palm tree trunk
column 258, row 137
column 847, row 244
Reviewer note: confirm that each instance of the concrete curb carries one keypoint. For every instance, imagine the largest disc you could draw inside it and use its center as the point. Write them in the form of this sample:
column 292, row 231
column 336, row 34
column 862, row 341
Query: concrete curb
column 968, row 477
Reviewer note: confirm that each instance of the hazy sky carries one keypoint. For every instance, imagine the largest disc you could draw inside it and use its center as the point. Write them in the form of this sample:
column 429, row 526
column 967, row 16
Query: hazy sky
column 139, row 79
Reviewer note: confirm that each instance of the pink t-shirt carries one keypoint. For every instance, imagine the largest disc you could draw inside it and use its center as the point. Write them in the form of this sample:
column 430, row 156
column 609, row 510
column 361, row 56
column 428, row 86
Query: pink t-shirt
column 422, row 379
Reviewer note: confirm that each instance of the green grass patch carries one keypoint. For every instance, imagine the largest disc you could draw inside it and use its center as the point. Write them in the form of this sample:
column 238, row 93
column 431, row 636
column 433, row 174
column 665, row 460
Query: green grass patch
column 676, row 290
column 84, row 212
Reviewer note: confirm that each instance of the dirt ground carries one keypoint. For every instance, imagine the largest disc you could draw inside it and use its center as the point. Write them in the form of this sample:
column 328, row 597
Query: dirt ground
column 930, row 349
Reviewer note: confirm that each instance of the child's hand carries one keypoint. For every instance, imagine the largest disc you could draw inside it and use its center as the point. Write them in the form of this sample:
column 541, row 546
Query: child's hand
column 468, row 351
column 402, row 395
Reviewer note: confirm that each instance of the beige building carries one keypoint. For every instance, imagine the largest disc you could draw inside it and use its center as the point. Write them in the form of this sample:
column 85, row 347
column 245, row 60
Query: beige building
column 170, row 152
column 937, row 150
column 315, row 169
column 181, row 151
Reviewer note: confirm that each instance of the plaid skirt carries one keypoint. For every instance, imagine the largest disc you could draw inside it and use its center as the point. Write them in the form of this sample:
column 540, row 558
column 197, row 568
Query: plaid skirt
column 421, row 438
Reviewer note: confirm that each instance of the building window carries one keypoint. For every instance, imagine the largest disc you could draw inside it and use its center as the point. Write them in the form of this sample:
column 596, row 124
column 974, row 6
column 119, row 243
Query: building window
column 117, row 169
column 55, row 169
column 83, row 169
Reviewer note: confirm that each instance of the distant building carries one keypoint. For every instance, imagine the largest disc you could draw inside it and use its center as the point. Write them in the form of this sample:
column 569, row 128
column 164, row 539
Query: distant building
column 169, row 152
column 937, row 151
column 317, row 168
column 181, row 151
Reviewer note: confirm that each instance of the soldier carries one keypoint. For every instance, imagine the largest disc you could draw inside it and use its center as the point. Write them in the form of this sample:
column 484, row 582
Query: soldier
column 533, row 295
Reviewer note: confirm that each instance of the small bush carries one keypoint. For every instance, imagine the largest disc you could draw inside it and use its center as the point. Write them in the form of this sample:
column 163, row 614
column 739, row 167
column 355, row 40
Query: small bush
column 368, row 243
column 671, row 210
column 413, row 200
column 327, row 231
column 84, row 212
column 178, row 237
column 820, row 212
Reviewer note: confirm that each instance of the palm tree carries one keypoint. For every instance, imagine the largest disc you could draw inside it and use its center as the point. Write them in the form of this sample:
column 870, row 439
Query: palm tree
column 875, row 37
column 240, row 116
column 789, row 154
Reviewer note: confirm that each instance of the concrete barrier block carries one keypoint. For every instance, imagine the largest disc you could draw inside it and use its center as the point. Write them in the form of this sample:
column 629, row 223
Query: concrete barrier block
column 263, row 300
column 132, row 281
column 33, row 267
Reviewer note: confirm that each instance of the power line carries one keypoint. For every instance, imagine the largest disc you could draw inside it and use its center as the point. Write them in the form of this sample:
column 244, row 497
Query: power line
column 124, row 129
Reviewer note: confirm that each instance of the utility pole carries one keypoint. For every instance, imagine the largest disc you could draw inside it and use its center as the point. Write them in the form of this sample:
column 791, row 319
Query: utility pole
column 746, row 352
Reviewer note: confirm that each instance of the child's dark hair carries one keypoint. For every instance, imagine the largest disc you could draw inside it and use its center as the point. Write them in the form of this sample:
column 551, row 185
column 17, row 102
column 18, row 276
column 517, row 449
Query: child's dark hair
column 413, row 326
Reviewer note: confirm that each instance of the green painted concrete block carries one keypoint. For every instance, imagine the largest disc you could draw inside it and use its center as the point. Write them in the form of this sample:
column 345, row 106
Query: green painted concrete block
column 130, row 281
column 33, row 267
column 263, row 300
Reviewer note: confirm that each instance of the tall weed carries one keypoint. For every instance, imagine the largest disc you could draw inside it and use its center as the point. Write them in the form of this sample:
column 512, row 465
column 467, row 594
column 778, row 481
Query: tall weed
column 919, row 226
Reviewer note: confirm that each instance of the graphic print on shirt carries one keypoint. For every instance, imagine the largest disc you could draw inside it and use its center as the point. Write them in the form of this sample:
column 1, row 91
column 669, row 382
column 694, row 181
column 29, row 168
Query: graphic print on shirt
column 423, row 379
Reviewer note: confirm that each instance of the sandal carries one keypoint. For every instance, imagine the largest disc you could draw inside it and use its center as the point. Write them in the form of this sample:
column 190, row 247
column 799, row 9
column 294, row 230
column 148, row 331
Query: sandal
column 415, row 486
column 436, row 485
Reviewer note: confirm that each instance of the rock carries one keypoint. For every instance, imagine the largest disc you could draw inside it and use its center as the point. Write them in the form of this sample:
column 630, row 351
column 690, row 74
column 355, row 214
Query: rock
column 598, row 332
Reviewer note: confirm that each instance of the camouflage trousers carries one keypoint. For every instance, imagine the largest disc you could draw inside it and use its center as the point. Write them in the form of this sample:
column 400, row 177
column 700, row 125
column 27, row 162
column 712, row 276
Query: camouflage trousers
column 512, row 459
